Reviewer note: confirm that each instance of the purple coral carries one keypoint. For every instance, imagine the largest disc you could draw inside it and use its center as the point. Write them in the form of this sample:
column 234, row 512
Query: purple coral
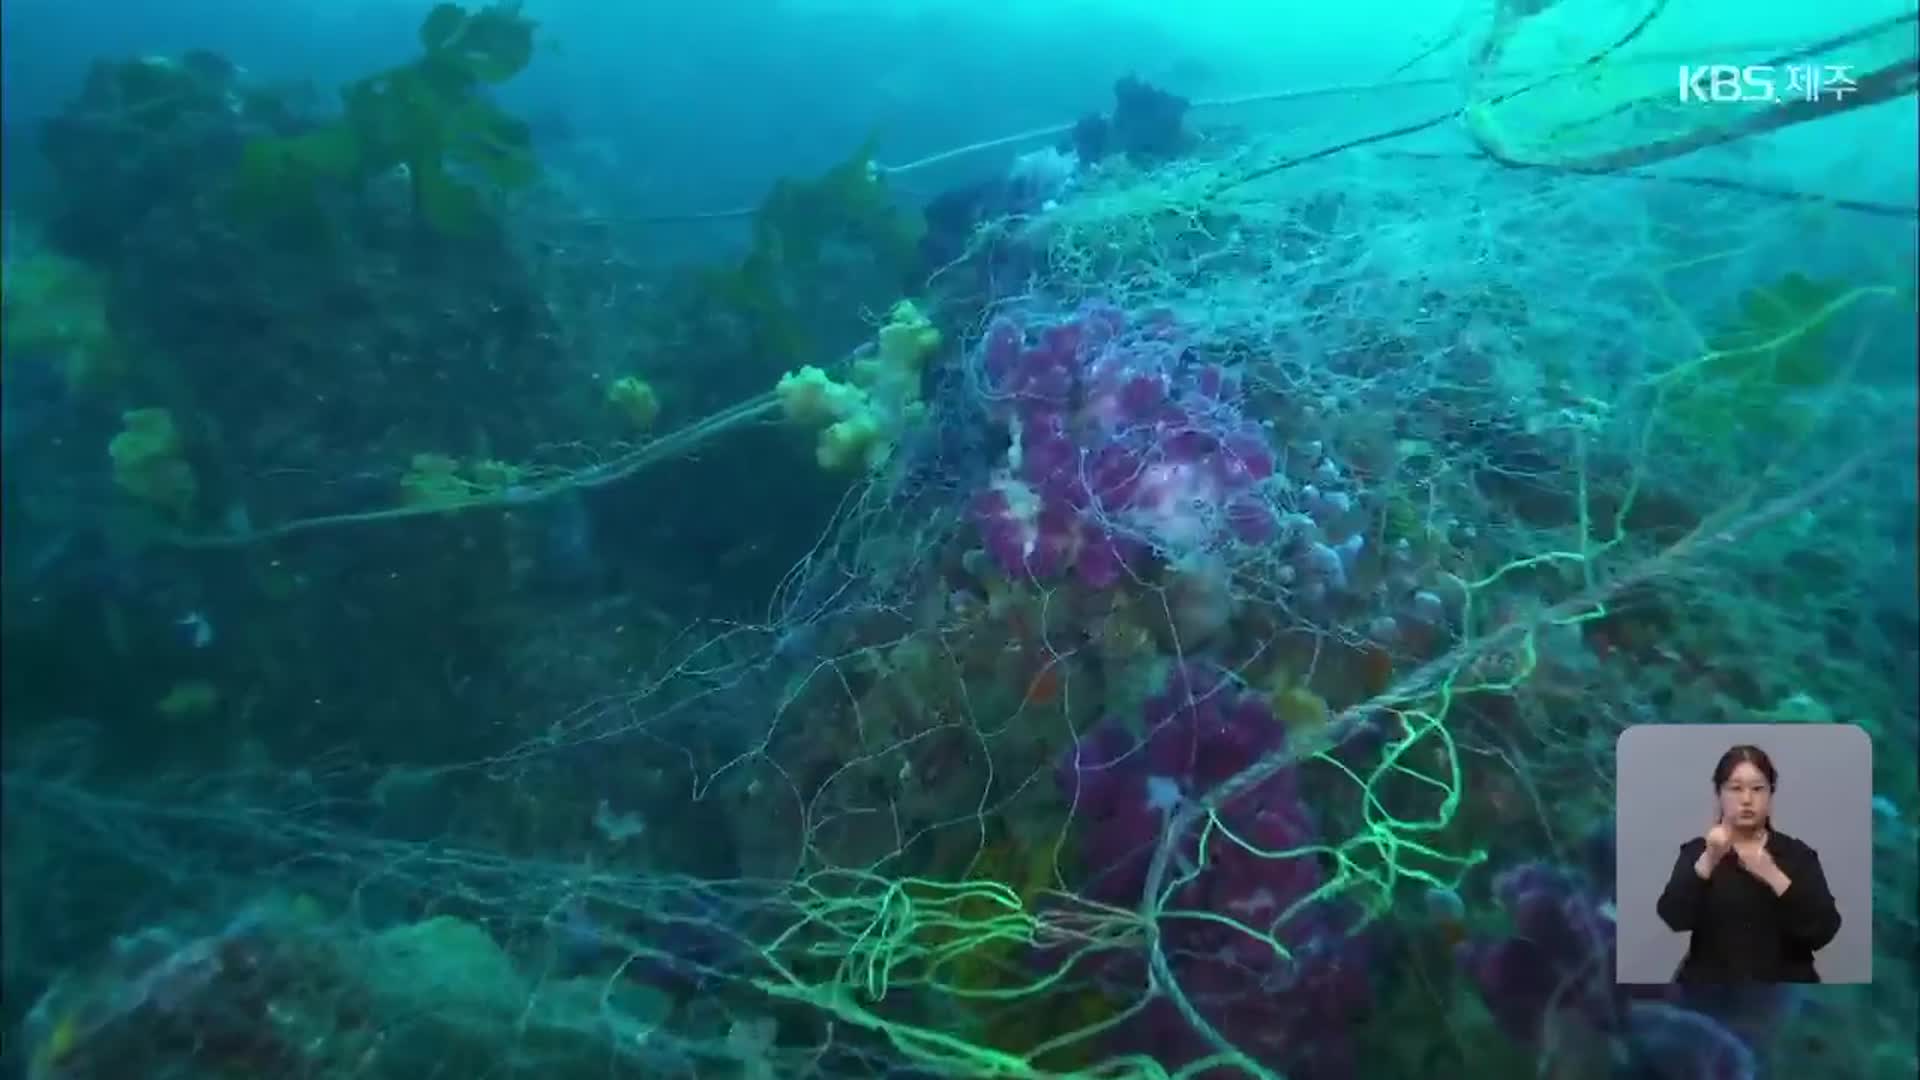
column 1559, row 958
column 1666, row 1040
column 1293, row 1008
column 1558, row 964
column 1127, row 446
column 1121, row 443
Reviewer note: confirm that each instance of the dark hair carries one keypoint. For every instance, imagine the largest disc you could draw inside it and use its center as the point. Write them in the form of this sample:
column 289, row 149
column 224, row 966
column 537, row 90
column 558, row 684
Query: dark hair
column 1747, row 755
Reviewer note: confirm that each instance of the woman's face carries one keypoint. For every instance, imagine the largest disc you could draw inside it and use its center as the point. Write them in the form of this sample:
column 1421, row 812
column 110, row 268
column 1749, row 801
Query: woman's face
column 1746, row 797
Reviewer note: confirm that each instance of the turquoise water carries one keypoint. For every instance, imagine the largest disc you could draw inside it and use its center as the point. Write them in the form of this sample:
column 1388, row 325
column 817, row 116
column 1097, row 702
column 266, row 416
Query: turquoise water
column 824, row 540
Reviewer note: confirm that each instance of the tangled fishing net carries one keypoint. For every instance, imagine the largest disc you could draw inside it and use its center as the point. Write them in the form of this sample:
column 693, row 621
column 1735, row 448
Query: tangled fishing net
column 1179, row 696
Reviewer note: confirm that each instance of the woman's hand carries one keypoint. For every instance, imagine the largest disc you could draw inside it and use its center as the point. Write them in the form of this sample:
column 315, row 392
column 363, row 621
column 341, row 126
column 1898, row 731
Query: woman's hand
column 1719, row 838
column 1756, row 860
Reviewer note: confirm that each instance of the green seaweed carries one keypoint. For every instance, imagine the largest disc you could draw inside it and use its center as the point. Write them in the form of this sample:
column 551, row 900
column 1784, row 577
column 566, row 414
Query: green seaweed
column 1757, row 376
column 830, row 242
column 428, row 117
column 800, row 219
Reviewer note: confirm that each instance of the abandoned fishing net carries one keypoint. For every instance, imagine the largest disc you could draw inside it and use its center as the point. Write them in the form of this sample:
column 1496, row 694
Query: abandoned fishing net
column 1612, row 84
column 1249, row 561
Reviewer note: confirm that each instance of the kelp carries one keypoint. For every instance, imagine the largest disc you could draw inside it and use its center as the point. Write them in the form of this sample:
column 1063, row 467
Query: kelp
column 428, row 121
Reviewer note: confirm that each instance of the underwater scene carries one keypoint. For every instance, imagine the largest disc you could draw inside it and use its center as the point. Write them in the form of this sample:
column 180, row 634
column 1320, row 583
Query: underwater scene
column 836, row 539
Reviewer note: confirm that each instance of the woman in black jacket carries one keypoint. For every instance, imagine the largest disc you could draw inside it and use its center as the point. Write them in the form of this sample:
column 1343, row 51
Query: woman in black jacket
column 1754, row 898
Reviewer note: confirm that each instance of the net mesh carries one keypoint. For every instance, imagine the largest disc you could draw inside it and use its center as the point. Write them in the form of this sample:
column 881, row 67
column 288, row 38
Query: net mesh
column 1271, row 549
column 1611, row 84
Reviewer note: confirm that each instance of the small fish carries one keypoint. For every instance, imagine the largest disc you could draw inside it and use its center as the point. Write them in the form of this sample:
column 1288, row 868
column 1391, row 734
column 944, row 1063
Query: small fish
column 198, row 627
column 1447, row 913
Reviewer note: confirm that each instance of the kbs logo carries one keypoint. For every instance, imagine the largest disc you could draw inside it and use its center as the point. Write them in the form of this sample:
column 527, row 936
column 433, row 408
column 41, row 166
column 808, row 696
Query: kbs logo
column 1725, row 83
